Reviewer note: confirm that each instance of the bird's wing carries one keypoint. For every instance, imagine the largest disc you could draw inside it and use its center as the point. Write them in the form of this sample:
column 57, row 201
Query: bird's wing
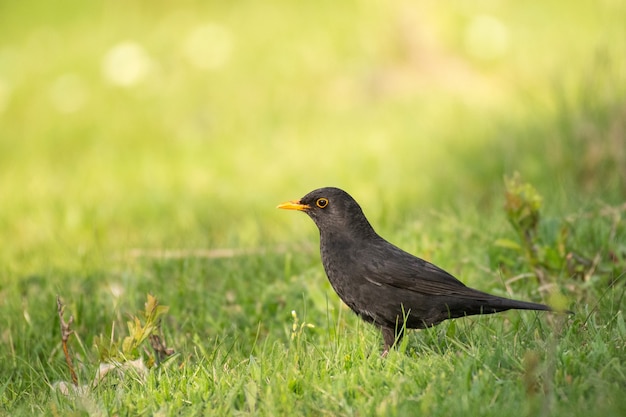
column 391, row 266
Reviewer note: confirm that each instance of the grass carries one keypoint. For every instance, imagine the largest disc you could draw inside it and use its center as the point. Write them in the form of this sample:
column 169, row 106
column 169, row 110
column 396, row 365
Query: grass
column 167, row 186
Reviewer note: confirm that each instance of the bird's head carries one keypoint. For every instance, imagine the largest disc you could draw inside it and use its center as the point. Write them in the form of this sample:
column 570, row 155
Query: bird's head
column 332, row 210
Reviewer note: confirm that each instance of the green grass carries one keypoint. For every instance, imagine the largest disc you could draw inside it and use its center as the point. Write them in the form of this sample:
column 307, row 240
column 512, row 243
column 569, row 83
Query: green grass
column 169, row 186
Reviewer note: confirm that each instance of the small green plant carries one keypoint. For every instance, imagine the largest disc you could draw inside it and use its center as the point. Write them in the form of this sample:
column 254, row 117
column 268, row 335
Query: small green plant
column 144, row 326
column 560, row 250
column 124, row 354
column 522, row 205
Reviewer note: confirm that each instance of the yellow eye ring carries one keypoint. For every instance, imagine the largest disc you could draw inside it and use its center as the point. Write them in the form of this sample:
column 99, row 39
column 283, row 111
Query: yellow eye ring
column 321, row 202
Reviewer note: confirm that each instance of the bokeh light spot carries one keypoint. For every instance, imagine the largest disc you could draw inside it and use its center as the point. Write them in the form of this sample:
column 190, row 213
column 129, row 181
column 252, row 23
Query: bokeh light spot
column 126, row 64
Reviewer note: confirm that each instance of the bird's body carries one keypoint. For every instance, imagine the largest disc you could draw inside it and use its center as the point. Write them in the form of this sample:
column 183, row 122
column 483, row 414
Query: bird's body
column 380, row 282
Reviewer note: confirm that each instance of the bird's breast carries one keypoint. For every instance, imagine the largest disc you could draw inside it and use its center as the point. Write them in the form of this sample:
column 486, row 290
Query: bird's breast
column 344, row 266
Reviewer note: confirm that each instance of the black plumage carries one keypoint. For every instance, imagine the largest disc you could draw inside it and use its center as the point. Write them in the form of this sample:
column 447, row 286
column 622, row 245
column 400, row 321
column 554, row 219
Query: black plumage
column 382, row 283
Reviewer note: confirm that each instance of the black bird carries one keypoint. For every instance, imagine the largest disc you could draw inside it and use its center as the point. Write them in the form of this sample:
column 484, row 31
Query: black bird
column 380, row 282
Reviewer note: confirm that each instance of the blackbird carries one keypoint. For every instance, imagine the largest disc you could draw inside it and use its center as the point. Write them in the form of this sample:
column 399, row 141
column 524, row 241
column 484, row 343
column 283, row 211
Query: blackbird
column 380, row 282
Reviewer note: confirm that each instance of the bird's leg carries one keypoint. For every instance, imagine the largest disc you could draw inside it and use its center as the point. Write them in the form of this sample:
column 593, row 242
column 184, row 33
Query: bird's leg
column 390, row 338
column 384, row 353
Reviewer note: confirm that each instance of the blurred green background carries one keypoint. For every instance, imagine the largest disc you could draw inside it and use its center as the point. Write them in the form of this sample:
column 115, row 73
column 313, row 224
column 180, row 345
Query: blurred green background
column 156, row 124
column 128, row 129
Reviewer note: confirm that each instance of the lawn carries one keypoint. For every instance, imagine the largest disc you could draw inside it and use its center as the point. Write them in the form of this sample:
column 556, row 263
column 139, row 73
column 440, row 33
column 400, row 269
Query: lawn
column 145, row 146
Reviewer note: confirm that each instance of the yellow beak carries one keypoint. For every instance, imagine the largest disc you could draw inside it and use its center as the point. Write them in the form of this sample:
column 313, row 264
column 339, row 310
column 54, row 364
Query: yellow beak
column 292, row 205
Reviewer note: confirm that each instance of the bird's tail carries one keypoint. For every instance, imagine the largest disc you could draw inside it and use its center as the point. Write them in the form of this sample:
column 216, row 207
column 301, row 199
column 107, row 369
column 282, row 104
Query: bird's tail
column 483, row 303
column 509, row 304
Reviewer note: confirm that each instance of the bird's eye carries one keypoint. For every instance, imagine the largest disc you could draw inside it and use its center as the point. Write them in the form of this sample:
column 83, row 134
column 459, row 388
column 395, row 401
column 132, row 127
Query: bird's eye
column 321, row 202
